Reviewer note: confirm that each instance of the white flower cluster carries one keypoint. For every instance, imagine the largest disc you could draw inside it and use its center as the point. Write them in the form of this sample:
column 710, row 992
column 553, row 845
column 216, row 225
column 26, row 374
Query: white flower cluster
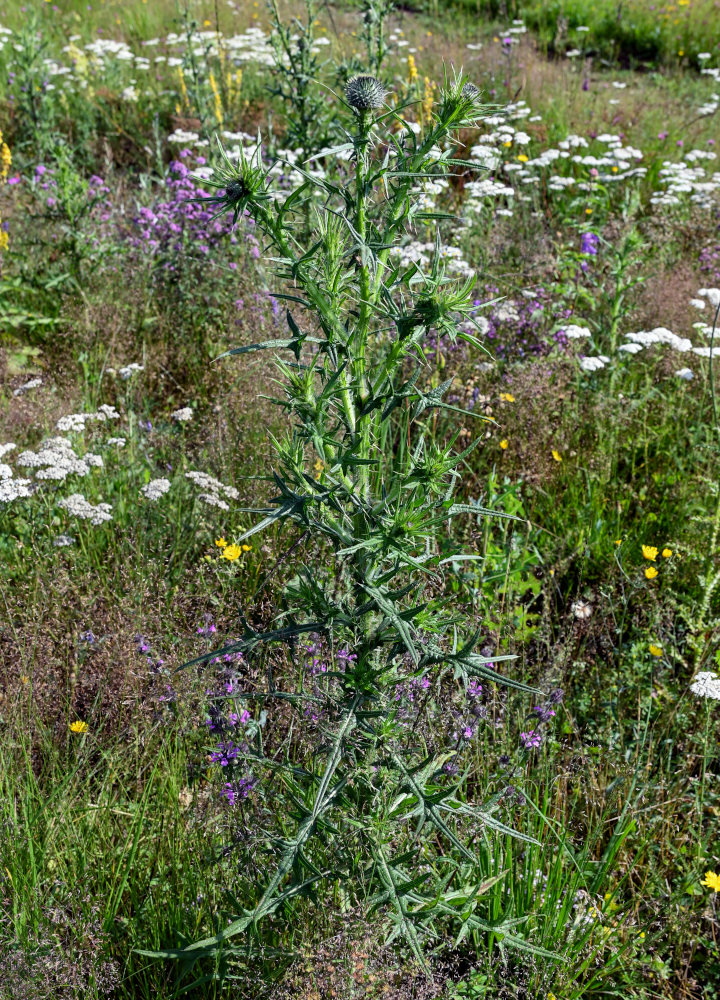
column 32, row 384
column 183, row 415
column 213, row 490
column 15, row 489
column 57, row 460
column 574, row 332
column 77, row 506
column 706, row 684
column 155, row 489
column 76, row 421
column 594, row 364
column 62, row 541
column 660, row 335
column 127, row 371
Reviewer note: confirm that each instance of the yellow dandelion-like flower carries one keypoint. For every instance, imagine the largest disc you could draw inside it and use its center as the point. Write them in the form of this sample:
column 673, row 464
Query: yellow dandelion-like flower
column 508, row 143
column 79, row 727
column 666, row 553
column 650, row 552
column 221, row 543
column 655, row 650
column 618, row 541
column 247, row 548
column 504, row 443
column 556, row 455
column 588, row 211
column 231, row 553
column 712, row 881
column 523, row 158
column 507, row 397
column 651, row 572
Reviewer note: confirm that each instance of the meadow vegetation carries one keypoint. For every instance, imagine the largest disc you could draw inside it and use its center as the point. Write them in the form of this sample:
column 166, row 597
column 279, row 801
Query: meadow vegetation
column 359, row 501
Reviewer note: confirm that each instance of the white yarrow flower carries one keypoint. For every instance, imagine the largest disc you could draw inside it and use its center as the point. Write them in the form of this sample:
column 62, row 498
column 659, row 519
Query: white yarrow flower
column 32, row 384
column 61, row 541
column 77, row 506
column 706, row 684
column 15, row 489
column 183, row 415
column 155, row 489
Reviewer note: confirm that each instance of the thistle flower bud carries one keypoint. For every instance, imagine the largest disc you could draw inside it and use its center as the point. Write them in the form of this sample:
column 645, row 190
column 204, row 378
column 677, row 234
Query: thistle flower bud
column 470, row 92
column 364, row 93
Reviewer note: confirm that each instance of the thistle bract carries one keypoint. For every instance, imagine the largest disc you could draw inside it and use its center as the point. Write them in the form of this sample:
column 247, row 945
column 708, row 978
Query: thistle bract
column 364, row 93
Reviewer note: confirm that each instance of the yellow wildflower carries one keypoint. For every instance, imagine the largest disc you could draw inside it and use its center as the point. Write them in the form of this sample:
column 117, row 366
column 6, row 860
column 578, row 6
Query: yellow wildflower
column 588, row 211
column 556, row 455
column 650, row 552
column 231, row 553
column 507, row 397
column 79, row 727
column 183, row 88
column 247, row 548
column 666, row 553
column 504, row 443
column 618, row 541
column 655, row 650
column 651, row 572
column 24, row 679
column 411, row 68
column 712, row 881
column 5, row 158
column 523, row 158
column 221, row 543
column 217, row 100
column 428, row 98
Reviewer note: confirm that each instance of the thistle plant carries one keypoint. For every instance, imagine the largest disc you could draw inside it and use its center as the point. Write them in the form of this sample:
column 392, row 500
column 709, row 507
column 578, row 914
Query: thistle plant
column 360, row 474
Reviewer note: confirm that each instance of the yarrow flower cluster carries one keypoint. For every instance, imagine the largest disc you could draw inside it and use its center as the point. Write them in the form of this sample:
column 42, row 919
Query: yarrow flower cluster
column 75, row 422
column 706, row 684
column 155, row 489
column 57, row 460
column 77, row 506
column 213, row 489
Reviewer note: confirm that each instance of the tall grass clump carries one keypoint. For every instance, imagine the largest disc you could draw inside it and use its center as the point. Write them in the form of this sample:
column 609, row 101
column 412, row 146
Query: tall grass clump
column 375, row 808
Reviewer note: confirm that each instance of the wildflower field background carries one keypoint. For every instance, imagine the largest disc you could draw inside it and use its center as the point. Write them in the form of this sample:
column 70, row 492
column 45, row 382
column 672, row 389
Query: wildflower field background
column 359, row 499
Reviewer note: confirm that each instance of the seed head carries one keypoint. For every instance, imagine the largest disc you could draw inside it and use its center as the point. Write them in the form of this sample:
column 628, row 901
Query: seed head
column 364, row 93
